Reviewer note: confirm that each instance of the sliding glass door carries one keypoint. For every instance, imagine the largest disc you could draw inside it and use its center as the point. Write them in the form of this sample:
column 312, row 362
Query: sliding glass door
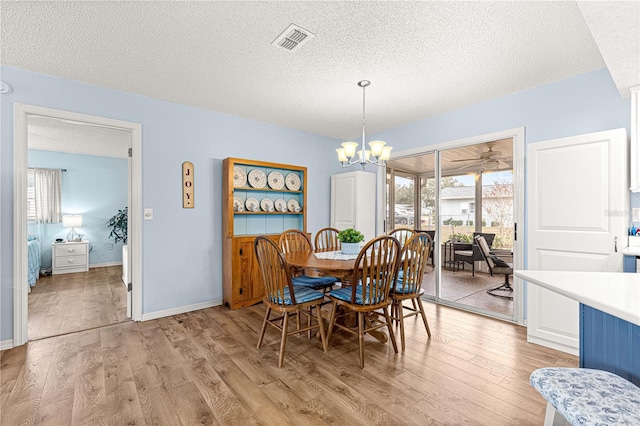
column 455, row 195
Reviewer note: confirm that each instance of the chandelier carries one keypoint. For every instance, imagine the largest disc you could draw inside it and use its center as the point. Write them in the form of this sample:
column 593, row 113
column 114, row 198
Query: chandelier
column 378, row 154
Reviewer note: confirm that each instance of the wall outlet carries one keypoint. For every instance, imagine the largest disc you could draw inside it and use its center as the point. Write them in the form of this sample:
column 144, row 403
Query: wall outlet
column 109, row 246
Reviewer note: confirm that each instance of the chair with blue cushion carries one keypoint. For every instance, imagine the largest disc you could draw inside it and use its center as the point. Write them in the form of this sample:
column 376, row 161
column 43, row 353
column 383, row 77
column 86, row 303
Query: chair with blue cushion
column 291, row 241
column 375, row 272
column 408, row 286
column 284, row 297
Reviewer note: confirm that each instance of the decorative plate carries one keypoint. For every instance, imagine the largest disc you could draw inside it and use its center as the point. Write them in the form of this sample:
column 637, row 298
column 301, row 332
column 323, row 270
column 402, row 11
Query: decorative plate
column 292, row 180
column 281, row 205
column 266, row 205
column 275, row 180
column 239, row 177
column 238, row 205
column 257, row 178
column 252, row 205
column 293, row 206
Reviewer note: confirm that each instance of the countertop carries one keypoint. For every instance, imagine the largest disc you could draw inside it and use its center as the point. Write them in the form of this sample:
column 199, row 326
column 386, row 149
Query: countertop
column 615, row 293
column 631, row 251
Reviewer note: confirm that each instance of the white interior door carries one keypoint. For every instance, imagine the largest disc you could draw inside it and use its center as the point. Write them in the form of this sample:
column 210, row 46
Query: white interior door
column 577, row 191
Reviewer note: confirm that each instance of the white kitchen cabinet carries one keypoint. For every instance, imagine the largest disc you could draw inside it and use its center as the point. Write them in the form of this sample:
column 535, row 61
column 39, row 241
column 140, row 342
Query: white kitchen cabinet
column 70, row 257
column 635, row 139
column 353, row 202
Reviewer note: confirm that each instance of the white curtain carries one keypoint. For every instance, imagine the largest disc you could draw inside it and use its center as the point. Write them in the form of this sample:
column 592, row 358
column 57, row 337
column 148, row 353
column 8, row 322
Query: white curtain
column 48, row 195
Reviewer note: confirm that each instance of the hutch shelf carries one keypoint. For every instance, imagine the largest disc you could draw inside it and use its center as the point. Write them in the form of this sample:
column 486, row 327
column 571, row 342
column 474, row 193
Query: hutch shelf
column 259, row 198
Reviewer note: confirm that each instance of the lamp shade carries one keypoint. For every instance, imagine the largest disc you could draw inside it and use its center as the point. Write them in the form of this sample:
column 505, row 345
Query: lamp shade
column 349, row 149
column 341, row 155
column 72, row 220
column 376, row 148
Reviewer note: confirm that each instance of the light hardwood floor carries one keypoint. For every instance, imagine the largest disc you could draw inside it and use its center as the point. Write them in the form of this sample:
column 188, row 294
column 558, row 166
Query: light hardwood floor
column 203, row 368
column 65, row 303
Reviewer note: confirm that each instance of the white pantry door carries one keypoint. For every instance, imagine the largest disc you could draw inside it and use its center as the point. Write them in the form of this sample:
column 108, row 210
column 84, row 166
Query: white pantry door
column 577, row 190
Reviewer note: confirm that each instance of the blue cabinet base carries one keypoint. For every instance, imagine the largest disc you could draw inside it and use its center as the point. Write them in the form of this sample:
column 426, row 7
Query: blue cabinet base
column 609, row 343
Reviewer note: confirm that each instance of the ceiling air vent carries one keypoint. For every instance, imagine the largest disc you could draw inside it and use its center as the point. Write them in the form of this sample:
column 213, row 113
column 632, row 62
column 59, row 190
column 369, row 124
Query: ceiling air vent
column 292, row 38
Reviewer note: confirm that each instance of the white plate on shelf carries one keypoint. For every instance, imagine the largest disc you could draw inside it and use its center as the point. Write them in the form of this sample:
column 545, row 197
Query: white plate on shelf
column 238, row 205
column 252, row 204
column 275, row 180
column 293, row 206
column 280, row 205
column 239, row 177
column 266, row 205
column 292, row 180
column 257, row 178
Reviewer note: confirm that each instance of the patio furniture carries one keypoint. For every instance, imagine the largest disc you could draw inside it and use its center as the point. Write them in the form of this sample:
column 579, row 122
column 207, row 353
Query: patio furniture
column 497, row 266
column 471, row 254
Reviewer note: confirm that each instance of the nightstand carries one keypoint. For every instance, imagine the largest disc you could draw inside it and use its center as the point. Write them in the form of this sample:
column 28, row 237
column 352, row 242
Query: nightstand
column 70, row 257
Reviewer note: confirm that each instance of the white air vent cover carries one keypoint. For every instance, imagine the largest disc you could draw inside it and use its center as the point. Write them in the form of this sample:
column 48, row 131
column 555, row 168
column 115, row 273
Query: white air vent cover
column 292, row 38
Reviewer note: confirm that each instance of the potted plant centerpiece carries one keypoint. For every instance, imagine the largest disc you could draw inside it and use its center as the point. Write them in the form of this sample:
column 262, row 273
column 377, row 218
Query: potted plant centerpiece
column 118, row 225
column 350, row 240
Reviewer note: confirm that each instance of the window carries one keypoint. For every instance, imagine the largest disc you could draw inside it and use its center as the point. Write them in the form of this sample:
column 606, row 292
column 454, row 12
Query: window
column 31, row 196
column 472, row 207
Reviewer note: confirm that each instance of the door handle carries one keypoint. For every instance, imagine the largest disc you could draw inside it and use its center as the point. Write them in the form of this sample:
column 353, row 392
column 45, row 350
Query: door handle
column 615, row 244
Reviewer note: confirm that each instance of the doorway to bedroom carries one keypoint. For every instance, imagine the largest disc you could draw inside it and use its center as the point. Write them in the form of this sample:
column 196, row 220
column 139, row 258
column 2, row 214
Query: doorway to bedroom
column 75, row 173
column 77, row 176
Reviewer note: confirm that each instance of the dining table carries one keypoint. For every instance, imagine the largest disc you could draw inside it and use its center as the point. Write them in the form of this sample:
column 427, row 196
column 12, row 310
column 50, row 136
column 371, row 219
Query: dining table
column 329, row 263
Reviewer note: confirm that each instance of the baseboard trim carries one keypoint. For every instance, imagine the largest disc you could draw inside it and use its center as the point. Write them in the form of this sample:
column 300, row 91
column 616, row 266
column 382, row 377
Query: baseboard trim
column 180, row 310
column 6, row 344
column 102, row 265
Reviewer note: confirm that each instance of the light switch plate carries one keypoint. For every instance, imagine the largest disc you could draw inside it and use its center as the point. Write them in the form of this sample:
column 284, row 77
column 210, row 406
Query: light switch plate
column 636, row 215
column 148, row 214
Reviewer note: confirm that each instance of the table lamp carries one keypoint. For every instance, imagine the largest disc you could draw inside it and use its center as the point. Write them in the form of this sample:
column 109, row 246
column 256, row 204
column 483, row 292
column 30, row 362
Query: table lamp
column 72, row 221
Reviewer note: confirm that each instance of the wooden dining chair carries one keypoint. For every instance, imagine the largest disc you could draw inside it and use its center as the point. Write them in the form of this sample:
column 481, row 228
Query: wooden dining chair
column 375, row 271
column 327, row 240
column 284, row 297
column 402, row 235
column 293, row 240
column 408, row 286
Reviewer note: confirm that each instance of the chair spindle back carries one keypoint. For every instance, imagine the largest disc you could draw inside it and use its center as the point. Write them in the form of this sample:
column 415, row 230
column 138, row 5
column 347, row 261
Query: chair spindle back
column 379, row 259
column 327, row 240
column 276, row 274
column 292, row 241
column 413, row 260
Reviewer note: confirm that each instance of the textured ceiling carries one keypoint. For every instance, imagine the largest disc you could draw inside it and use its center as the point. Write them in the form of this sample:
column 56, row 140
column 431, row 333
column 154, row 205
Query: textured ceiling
column 423, row 58
column 52, row 134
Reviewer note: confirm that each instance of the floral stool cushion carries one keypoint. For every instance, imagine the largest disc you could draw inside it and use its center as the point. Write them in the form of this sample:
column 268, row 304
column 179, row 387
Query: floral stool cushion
column 589, row 397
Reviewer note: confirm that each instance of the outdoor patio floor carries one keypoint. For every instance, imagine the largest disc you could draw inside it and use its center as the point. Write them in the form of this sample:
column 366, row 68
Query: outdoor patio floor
column 461, row 287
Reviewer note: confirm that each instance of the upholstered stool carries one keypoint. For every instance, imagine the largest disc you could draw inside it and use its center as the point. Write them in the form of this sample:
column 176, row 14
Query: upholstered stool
column 587, row 397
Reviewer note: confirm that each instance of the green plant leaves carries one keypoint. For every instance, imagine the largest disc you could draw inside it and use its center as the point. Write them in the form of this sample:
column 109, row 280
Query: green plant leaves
column 118, row 224
column 350, row 235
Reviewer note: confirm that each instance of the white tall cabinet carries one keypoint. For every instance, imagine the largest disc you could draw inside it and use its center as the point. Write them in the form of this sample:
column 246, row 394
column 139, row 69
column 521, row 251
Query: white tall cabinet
column 635, row 139
column 353, row 202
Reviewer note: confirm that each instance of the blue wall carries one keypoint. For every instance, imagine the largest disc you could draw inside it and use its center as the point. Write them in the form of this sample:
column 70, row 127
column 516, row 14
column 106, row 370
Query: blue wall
column 181, row 248
column 96, row 188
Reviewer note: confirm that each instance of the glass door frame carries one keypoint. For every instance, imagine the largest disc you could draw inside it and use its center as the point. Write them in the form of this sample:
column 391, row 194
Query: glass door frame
column 518, row 181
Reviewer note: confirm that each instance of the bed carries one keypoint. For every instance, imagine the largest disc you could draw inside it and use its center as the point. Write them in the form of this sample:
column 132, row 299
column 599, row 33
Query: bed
column 34, row 260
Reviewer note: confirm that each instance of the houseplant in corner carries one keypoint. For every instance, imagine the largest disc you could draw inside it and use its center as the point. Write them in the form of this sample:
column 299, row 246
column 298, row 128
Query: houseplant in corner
column 118, row 225
column 350, row 240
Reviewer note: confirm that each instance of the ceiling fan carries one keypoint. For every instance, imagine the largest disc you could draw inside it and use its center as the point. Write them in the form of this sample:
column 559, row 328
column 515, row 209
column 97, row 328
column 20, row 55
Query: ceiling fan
column 487, row 160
